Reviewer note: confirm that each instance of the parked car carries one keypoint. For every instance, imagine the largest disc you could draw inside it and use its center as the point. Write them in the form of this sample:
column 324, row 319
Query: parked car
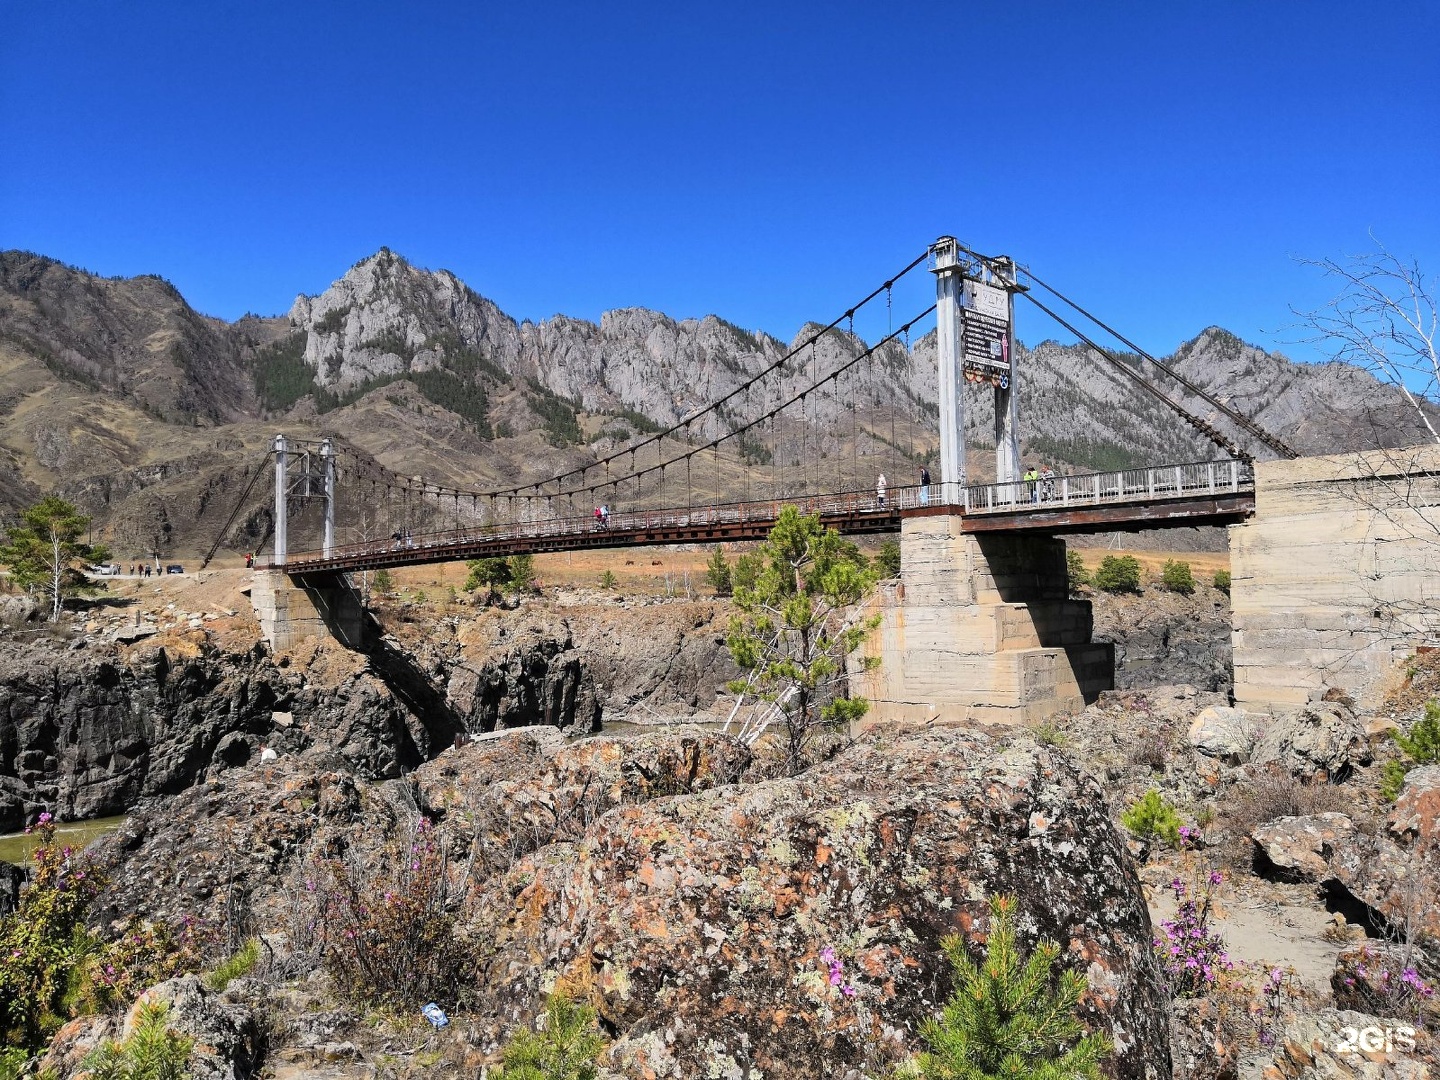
column 104, row 570
column 174, row 568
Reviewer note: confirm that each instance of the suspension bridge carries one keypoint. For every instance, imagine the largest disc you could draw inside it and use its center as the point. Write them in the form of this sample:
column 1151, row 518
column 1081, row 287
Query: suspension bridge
column 811, row 430
column 981, row 626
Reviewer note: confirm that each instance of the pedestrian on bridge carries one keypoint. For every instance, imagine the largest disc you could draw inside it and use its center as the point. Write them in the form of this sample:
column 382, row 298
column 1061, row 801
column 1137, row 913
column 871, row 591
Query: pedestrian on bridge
column 924, row 486
column 880, row 491
column 1032, row 480
column 1047, row 483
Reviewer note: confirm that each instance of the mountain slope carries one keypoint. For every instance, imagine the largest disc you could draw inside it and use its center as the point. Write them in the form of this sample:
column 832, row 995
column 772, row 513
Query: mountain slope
column 153, row 417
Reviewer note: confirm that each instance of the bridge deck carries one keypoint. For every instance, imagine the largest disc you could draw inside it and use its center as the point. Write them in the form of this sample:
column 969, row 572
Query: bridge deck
column 1207, row 493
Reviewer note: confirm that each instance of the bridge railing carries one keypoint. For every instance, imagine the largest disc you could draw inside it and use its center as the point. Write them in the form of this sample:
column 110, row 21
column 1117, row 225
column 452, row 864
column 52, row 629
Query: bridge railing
column 555, row 526
column 1127, row 485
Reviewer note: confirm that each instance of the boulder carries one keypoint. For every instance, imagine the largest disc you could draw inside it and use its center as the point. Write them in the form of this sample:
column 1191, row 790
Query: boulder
column 1224, row 733
column 12, row 877
column 696, row 924
column 1322, row 742
column 1415, row 818
column 688, row 901
column 1201, row 1047
column 228, row 1038
column 1300, row 848
column 18, row 610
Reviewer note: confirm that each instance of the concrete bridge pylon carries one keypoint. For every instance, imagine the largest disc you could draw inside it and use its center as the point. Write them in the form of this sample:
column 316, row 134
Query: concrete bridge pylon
column 980, row 629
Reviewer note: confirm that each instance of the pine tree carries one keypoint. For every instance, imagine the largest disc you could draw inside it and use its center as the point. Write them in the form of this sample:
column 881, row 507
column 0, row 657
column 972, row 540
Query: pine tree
column 565, row 1048
column 45, row 553
column 795, row 624
column 1007, row 1018
column 717, row 573
column 152, row 1052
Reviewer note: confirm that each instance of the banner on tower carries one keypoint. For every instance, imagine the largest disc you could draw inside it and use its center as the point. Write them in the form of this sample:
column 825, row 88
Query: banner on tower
column 984, row 333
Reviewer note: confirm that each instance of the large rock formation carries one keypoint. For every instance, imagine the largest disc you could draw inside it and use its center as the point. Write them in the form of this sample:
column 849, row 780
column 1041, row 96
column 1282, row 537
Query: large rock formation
column 689, row 901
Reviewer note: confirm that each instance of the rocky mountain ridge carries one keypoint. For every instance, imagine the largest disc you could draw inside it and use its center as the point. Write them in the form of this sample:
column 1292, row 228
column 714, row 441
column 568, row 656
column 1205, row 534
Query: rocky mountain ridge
column 149, row 415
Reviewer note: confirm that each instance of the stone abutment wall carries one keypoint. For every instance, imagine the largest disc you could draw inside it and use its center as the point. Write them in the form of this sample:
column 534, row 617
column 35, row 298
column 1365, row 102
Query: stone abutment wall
column 1337, row 576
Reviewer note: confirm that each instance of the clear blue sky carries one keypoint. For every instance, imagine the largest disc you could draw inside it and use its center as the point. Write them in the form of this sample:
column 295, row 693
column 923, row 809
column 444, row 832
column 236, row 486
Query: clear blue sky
column 766, row 162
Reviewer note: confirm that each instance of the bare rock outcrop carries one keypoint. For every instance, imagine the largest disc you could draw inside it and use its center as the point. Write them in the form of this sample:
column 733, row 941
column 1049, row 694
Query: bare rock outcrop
column 689, row 901
column 695, row 923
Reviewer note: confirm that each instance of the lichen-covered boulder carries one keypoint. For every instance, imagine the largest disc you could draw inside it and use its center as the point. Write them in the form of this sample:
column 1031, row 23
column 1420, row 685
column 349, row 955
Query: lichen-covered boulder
column 1415, row 818
column 698, row 924
column 1300, row 848
column 1224, row 733
column 1322, row 742
column 1338, row 1044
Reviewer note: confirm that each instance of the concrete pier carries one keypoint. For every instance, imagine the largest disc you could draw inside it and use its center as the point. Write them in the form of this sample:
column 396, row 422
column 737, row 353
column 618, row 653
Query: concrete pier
column 980, row 629
column 320, row 607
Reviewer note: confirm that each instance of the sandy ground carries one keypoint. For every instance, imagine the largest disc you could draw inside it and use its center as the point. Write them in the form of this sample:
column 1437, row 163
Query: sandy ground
column 1269, row 925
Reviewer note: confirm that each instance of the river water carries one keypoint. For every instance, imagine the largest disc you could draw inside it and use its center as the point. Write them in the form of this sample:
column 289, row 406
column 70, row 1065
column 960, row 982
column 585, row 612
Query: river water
column 16, row 847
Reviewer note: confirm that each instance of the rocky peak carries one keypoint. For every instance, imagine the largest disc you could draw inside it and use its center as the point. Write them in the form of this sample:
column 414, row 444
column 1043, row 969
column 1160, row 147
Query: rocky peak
column 386, row 316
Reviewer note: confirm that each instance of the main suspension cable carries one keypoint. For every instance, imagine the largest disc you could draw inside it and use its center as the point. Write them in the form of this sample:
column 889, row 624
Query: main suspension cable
column 1272, row 441
column 1200, row 425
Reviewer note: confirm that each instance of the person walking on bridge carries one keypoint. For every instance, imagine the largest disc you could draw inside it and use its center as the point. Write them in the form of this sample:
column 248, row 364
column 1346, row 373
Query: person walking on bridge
column 924, row 486
column 880, row 491
column 1047, row 483
column 1032, row 479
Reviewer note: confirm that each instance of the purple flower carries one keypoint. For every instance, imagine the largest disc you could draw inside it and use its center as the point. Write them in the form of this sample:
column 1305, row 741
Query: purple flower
column 45, row 819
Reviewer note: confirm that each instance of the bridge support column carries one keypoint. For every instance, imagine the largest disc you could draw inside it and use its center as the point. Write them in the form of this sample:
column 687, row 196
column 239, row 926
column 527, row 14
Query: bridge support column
column 980, row 629
column 949, row 278
column 291, row 612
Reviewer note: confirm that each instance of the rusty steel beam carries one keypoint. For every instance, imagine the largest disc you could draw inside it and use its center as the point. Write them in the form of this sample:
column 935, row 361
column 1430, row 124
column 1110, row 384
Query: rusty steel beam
column 1228, row 509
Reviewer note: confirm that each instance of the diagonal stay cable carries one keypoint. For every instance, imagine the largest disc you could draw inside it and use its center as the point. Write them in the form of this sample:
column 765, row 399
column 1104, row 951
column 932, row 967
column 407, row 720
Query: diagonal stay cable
column 1272, row 441
column 1210, row 432
column 220, row 536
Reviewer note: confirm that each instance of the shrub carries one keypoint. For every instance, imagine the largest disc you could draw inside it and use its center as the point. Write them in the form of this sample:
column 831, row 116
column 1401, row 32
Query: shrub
column 384, row 581
column 1118, row 573
column 565, row 1047
column 717, row 573
column 608, row 580
column 239, row 964
column 489, row 572
column 1192, row 955
column 142, row 954
column 152, row 1052
column 1177, row 577
column 522, row 572
column 1276, row 793
column 43, row 941
column 887, row 559
column 1222, row 580
column 1009, row 1017
column 1047, row 734
column 1420, row 747
column 1075, row 568
column 390, row 929
column 1151, row 817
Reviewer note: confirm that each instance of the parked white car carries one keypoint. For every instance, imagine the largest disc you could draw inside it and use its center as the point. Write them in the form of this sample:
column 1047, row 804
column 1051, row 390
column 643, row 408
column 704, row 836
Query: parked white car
column 112, row 570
